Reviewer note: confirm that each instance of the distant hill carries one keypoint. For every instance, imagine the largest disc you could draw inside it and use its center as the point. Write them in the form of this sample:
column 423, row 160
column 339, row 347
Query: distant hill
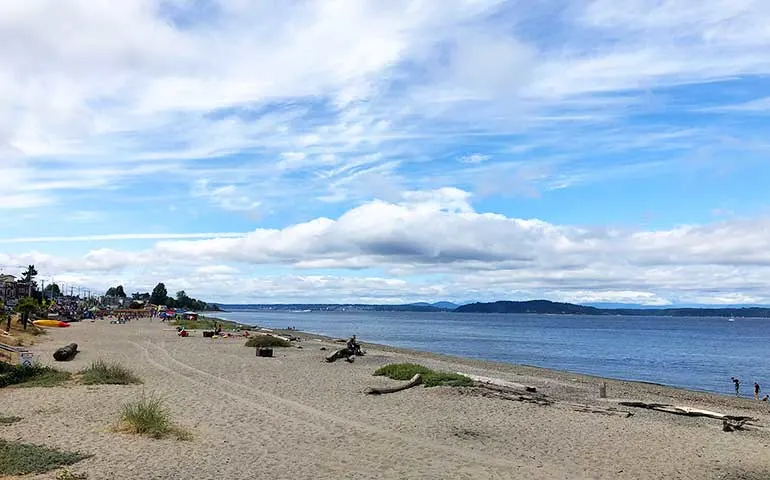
column 530, row 306
column 445, row 305
column 548, row 307
column 441, row 305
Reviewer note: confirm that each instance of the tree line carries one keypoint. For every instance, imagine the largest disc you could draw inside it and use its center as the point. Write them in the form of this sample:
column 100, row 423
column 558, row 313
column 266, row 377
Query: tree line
column 160, row 296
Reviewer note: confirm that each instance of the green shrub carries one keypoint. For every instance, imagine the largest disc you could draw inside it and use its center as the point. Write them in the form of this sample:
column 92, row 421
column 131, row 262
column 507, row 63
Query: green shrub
column 148, row 415
column 437, row 379
column 196, row 324
column 266, row 341
column 402, row 371
column 23, row 459
column 430, row 378
column 100, row 372
column 204, row 323
column 35, row 376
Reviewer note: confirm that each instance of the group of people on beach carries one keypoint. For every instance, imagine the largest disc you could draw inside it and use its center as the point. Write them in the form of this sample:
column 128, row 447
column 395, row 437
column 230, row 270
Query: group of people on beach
column 757, row 389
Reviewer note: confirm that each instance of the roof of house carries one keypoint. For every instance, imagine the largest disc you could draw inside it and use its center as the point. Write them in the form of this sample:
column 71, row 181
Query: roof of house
column 7, row 278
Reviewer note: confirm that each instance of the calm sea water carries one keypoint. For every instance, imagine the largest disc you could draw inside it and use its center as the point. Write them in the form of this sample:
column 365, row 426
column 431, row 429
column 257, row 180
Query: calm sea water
column 695, row 353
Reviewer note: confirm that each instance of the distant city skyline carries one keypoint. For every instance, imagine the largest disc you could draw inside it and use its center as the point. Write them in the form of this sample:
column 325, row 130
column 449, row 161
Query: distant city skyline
column 390, row 152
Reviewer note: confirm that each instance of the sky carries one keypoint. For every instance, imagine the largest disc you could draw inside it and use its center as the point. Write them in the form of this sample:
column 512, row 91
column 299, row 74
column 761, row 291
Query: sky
column 367, row 151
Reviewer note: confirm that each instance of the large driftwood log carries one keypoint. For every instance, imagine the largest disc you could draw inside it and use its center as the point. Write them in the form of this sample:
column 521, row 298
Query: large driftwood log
column 339, row 354
column 67, row 353
column 687, row 411
column 499, row 383
column 344, row 353
column 416, row 380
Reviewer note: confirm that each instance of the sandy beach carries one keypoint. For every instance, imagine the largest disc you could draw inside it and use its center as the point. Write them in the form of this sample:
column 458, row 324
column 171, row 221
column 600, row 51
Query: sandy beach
column 296, row 417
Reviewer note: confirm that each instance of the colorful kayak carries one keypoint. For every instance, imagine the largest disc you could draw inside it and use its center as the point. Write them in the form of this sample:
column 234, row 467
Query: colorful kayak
column 50, row 323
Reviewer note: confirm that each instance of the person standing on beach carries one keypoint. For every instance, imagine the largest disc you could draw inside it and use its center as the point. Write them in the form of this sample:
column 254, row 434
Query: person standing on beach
column 756, row 391
column 737, row 386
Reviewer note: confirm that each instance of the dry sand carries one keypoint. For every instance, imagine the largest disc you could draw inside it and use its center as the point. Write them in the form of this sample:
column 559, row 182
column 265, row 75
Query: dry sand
column 297, row 417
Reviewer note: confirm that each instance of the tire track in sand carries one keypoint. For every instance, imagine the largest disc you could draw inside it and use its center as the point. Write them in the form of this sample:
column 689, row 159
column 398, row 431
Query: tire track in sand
column 330, row 458
column 321, row 419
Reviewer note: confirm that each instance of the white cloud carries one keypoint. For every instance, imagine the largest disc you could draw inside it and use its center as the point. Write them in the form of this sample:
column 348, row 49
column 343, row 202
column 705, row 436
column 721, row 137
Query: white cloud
column 760, row 105
column 474, row 158
column 228, row 197
column 435, row 242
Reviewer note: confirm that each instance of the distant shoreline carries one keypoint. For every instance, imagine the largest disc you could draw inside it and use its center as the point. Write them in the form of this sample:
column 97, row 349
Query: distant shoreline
column 533, row 307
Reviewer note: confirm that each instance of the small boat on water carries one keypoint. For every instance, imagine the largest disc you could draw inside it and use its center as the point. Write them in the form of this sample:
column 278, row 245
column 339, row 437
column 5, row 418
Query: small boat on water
column 731, row 319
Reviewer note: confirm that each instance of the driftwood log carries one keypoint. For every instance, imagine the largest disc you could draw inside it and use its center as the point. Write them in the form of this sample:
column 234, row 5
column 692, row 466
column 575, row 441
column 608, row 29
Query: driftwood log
column 499, row 383
column 339, row 354
column 67, row 353
column 489, row 390
column 602, row 411
column 343, row 353
column 687, row 411
column 416, row 380
column 730, row 425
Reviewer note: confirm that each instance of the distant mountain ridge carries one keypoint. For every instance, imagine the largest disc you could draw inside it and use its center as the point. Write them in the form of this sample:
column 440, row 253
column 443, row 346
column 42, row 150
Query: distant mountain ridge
column 548, row 307
column 508, row 306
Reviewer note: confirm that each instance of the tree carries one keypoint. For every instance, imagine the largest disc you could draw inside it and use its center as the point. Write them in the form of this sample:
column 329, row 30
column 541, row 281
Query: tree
column 26, row 307
column 140, row 297
column 29, row 274
column 159, row 295
column 4, row 315
column 52, row 291
column 116, row 292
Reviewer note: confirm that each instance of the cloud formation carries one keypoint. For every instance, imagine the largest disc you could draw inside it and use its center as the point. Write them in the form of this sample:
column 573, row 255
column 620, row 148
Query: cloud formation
column 408, row 149
column 433, row 244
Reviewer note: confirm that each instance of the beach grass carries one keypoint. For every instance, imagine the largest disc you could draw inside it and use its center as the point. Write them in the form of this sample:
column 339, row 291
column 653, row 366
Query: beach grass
column 35, row 376
column 23, row 459
column 205, row 323
column 9, row 420
column 266, row 341
column 148, row 415
column 430, row 378
column 104, row 373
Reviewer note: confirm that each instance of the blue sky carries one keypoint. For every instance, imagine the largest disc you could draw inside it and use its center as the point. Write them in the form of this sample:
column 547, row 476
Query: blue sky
column 390, row 151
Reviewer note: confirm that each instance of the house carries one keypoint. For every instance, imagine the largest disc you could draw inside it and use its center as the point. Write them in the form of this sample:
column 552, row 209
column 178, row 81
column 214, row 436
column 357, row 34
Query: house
column 11, row 289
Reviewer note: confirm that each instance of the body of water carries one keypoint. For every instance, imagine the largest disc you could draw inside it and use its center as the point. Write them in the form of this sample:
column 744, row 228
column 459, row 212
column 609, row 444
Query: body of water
column 694, row 353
